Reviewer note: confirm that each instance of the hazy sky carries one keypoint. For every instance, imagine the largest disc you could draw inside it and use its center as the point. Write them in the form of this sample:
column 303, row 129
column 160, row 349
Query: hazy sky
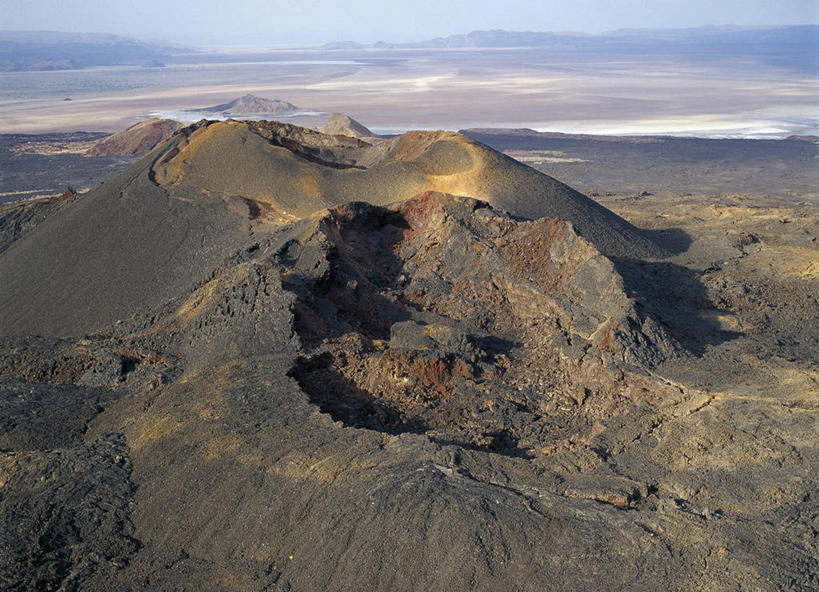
column 211, row 22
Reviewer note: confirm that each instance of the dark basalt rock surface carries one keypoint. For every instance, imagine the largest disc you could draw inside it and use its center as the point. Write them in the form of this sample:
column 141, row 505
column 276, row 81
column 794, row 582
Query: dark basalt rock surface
column 65, row 501
column 18, row 219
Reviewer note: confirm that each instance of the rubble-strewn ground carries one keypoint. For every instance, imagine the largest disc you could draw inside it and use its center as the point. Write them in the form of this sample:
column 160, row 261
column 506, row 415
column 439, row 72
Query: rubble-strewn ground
column 756, row 263
column 427, row 395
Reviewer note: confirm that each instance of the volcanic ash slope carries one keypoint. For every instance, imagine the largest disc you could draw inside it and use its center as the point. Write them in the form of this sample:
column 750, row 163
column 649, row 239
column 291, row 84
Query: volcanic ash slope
column 295, row 171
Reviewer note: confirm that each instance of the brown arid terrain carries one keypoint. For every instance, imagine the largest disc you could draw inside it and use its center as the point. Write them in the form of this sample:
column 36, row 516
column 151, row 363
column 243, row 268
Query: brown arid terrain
column 53, row 148
column 267, row 358
column 137, row 140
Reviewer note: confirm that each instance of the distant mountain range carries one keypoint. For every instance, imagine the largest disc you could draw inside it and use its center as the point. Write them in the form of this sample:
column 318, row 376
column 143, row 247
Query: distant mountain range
column 785, row 41
column 794, row 36
column 792, row 46
column 53, row 50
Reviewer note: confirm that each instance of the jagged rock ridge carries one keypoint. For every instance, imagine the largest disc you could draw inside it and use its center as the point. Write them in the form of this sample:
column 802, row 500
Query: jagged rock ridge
column 436, row 322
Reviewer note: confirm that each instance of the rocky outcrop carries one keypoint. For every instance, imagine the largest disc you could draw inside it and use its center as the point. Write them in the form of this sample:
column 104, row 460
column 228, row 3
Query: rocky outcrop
column 252, row 105
column 212, row 186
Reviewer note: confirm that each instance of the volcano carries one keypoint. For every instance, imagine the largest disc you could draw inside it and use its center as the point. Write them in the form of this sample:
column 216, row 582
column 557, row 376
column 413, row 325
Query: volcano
column 268, row 358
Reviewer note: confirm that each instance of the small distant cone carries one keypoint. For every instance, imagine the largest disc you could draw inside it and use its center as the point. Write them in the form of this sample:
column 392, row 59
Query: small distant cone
column 340, row 124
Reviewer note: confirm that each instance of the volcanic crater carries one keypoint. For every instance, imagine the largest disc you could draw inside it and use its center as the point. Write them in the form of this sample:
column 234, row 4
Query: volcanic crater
column 441, row 315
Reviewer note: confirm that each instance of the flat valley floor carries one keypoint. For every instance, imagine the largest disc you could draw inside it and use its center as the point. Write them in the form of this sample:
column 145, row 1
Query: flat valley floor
column 392, row 90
